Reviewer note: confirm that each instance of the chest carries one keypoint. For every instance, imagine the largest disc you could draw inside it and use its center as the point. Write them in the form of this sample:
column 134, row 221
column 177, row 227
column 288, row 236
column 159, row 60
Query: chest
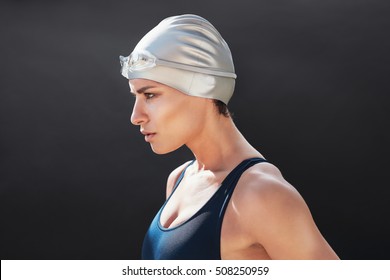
column 188, row 198
column 194, row 202
column 199, row 221
column 187, row 225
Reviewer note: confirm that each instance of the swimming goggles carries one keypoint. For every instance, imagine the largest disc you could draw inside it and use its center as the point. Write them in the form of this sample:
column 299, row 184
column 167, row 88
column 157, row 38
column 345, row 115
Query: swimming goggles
column 144, row 60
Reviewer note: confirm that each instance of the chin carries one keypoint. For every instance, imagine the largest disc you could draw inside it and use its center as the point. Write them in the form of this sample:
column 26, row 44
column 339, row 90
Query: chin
column 162, row 150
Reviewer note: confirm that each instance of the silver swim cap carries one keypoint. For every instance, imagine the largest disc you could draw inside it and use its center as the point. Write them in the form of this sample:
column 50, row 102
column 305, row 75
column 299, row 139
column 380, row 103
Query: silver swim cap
column 187, row 53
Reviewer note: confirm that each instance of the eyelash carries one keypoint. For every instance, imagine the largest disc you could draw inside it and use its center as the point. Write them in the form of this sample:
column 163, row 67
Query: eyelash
column 147, row 95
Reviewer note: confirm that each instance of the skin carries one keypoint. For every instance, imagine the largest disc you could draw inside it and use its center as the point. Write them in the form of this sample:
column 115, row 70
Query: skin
column 266, row 217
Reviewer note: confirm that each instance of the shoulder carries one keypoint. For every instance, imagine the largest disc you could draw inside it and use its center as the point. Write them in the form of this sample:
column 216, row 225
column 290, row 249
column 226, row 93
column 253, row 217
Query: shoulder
column 264, row 180
column 272, row 213
column 267, row 191
column 173, row 176
column 262, row 192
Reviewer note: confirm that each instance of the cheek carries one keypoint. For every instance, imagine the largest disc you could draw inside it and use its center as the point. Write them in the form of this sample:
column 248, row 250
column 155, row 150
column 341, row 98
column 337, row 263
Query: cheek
column 178, row 120
column 172, row 133
column 168, row 121
column 187, row 121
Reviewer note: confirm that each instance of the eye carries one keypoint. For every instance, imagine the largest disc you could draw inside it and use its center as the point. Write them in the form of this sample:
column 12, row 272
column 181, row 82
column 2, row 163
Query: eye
column 149, row 95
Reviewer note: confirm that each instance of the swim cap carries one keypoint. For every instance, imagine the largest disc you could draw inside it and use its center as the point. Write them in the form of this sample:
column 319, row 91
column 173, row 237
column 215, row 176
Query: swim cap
column 187, row 53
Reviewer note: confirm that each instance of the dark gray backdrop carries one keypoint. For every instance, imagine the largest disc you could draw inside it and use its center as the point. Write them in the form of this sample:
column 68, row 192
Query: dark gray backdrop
column 77, row 181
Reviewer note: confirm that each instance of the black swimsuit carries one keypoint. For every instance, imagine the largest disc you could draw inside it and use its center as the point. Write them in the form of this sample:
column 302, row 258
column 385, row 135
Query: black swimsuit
column 198, row 238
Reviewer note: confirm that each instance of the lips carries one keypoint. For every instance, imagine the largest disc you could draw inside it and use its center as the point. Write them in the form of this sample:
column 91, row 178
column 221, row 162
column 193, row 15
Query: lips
column 148, row 135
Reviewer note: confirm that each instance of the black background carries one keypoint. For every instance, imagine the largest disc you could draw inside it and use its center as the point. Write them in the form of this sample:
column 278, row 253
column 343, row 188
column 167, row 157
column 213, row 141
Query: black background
column 79, row 182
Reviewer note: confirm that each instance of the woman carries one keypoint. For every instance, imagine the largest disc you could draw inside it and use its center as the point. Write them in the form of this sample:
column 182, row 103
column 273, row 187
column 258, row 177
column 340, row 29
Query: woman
column 229, row 202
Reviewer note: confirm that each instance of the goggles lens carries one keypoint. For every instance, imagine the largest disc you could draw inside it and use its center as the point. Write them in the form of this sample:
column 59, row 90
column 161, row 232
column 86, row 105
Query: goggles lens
column 143, row 60
column 137, row 62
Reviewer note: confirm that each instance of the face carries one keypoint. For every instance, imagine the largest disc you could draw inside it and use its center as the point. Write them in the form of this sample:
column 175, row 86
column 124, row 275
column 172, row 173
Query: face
column 167, row 118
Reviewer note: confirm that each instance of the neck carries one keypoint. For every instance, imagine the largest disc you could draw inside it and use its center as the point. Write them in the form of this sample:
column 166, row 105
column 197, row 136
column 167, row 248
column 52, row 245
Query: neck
column 220, row 146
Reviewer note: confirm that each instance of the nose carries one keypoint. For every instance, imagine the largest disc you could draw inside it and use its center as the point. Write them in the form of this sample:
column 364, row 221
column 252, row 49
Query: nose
column 138, row 116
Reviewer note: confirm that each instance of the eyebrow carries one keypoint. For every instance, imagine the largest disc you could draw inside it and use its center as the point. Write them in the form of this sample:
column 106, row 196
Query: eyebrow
column 143, row 89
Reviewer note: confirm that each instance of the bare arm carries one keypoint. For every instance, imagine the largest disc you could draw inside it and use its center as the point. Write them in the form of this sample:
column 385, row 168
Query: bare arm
column 275, row 216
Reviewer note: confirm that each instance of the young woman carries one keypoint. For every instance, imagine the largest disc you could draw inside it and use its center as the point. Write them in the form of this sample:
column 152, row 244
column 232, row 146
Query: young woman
column 229, row 202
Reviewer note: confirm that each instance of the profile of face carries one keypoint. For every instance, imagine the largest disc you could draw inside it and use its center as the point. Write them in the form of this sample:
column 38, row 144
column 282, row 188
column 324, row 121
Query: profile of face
column 167, row 117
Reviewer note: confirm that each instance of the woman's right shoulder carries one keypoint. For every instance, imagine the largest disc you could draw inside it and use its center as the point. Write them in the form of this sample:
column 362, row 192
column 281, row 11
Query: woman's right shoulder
column 175, row 174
